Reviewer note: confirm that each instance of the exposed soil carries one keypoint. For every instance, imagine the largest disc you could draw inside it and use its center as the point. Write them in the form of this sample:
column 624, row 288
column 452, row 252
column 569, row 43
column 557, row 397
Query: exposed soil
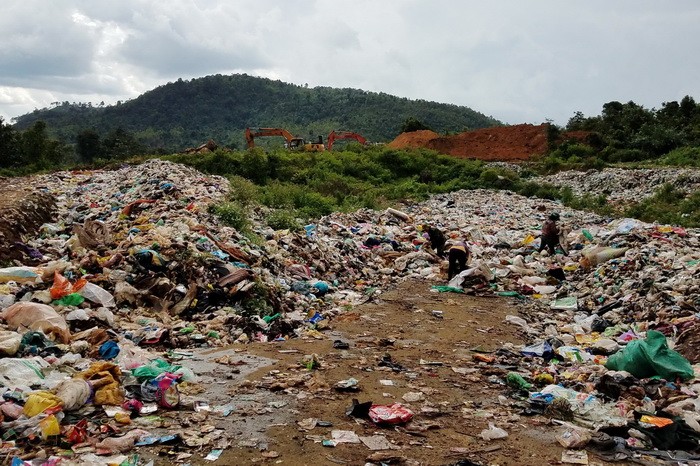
column 456, row 408
column 23, row 209
column 502, row 143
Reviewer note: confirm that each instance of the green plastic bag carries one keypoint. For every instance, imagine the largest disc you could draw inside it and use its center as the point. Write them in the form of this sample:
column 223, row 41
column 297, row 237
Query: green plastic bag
column 73, row 299
column 153, row 369
column 445, row 289
column 650, row 357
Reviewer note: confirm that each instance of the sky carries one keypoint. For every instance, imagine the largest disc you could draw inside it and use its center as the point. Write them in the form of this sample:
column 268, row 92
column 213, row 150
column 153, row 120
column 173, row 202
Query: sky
column 520, row 61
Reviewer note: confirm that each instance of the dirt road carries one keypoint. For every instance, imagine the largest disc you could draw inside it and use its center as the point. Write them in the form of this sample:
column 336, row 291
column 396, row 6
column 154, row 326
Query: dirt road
column 460, row 396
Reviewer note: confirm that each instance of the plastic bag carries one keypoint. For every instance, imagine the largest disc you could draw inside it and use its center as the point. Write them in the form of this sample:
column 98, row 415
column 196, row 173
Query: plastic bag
column 49, row 427
column 153, row 369
column 393, row 414
column 18, row 274
column 39, row 401
column 493, row 433
column 542, row 349
column 98, row 295
column 62, row 286
column 650, row 357
column 73, row 299
column 35, row 316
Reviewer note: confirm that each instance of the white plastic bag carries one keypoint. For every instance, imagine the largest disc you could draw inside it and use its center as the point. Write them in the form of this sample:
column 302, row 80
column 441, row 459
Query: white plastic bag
column 493, row 433
column 98, row 295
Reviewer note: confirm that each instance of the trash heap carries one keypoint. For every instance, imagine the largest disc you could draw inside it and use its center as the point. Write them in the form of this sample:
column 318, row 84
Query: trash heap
column 600, row 320
column 623, row 185
column 135, row 269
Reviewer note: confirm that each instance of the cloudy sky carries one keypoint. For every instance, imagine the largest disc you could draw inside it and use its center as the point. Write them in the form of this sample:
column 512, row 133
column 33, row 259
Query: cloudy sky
column 521, row 61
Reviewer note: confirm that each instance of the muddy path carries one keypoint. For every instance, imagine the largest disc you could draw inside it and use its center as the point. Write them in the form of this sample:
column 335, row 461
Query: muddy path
column 457, row 395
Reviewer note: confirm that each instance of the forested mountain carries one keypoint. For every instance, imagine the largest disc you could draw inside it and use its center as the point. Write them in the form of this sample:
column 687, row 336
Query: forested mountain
column 185, row 113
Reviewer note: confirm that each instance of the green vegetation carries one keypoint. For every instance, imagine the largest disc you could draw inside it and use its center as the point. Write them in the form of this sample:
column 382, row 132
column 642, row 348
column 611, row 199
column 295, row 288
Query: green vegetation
column 186, row 113
column 625, row 133
column 300, row 186
column 669, row 205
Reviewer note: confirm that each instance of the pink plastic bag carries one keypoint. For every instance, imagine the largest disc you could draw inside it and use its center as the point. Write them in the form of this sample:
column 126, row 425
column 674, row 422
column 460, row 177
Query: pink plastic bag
column 393, row 414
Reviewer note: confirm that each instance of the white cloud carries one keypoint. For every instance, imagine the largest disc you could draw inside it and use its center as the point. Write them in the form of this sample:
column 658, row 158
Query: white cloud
column 518, row 61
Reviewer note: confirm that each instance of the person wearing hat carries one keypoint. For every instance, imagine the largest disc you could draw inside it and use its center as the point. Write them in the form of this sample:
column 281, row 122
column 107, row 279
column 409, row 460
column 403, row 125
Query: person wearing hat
column 550, row 234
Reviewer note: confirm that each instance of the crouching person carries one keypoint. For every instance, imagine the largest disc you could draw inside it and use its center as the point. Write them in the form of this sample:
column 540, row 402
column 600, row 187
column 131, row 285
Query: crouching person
column 458, row 256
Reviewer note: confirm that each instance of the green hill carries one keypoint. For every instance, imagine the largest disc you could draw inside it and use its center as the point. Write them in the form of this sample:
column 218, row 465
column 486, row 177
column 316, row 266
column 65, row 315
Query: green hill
column 183, row 114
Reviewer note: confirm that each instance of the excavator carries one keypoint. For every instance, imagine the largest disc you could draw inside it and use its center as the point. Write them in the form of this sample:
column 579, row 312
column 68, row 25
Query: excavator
column 291, row 142
column 344, row 135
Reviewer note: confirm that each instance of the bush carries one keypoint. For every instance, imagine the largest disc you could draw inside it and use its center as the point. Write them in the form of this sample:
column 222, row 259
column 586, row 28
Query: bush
column 683, row 156
column 231, row 214
column 626, row 155
column 569, row 150
column 243, row 191
column 498, row 178
column 283, row 219
column 255, row 166
column 543, row 191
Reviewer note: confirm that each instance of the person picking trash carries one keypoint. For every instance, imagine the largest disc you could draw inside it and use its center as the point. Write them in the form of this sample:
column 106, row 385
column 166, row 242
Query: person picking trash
column 458, row 256
column 436, row 237
column 550, row 234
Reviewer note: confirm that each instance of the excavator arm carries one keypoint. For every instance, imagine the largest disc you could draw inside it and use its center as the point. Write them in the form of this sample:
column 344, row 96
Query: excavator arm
column 344, row 135
column 252, row 133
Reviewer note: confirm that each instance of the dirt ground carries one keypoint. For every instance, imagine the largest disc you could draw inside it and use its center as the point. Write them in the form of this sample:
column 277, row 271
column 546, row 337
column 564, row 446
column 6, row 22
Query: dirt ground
column 23, row 209
column 457, row 405
column 501, row 143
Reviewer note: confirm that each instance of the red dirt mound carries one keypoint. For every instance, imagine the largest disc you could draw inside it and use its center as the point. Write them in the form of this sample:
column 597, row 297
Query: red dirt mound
column 413, row 140
column 517, row 142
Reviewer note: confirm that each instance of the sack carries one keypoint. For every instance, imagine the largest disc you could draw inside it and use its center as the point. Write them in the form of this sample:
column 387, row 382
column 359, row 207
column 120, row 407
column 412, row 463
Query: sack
column 599, row 255
column 9, row 342
column 19, row 275
column 35, row 316
column 650, row 357
column 74, row 393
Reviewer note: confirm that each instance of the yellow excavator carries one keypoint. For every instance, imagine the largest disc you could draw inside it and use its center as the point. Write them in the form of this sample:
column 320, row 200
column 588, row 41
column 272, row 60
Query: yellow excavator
column 291, row 142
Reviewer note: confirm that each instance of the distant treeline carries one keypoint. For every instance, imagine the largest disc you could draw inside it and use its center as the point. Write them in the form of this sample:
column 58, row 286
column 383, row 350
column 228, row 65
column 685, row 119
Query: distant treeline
column 631, row 133
column 621, row 133
column 185, row 113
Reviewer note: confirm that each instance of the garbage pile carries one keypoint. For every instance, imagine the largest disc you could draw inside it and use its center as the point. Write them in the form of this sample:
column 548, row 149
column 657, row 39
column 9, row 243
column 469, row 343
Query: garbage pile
column 623, row 185
column 600, row 316
column 135, row 269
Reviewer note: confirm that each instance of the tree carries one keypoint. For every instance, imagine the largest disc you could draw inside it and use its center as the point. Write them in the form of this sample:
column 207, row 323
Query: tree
column 88, row 145
column 411, row 124
column 120, row 144
column 38, row 149
column 9, row 146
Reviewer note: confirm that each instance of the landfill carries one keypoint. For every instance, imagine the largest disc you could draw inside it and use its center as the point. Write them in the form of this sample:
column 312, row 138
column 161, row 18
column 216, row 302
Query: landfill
column 109, row 313
column 625, row 185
